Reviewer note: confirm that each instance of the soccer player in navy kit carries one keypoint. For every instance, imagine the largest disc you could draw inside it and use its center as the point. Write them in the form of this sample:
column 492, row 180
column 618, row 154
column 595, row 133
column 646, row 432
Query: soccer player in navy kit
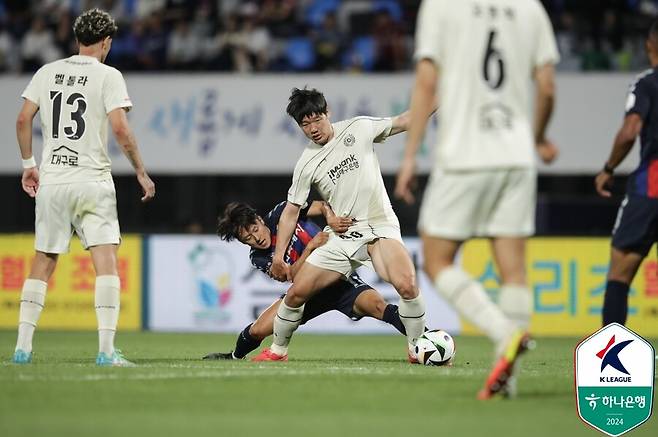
column 636, row 226
column 351, row 296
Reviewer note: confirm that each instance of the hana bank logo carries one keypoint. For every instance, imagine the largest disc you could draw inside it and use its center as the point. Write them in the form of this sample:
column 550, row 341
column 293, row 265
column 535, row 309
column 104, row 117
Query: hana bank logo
column 213, row 274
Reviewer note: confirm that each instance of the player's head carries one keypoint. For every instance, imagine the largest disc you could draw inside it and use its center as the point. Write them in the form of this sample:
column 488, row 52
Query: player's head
column 309, row 109
column 241, row 222
column 95, row 27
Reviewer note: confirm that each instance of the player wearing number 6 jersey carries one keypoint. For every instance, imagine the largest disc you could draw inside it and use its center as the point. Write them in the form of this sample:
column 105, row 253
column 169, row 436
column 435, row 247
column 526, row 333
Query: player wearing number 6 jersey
column 477, row 58
column 73, row 187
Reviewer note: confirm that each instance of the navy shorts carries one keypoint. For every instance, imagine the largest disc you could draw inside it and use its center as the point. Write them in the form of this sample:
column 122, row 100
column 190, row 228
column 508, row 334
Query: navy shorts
column 339, row 296
column 636, row 226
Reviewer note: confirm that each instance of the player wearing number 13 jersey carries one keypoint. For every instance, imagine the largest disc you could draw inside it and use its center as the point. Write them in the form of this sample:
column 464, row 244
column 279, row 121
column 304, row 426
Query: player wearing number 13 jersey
column 478, row 58
column 73, row 187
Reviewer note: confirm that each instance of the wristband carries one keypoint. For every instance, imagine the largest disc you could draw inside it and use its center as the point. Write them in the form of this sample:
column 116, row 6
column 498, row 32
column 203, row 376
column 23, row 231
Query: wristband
column 30, row 162
column 607, row 169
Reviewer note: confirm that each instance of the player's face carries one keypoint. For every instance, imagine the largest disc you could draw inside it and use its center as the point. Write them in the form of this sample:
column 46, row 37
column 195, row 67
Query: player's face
column 317, row 128
column 256, row 235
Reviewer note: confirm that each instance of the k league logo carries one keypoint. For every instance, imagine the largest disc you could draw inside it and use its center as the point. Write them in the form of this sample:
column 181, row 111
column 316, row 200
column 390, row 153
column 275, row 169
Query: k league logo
column 614, row 379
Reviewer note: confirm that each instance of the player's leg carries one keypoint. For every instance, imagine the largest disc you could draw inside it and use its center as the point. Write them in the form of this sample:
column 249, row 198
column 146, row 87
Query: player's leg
column 251, row 336
column 33, row 297
column 514, row 298
column 623, row 267
column 634, row 233
column 290, row 313
column 370, row 303
column 392, row 262
column 52, row 234
column 107, row 301
column 465, row 294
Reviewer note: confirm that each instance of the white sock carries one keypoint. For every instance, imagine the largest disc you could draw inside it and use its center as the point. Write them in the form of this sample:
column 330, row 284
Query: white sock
column 287, row 320
column 516, row 303
column 108, row 288
column 470, row 299
column 412, row 315
column 33, row 298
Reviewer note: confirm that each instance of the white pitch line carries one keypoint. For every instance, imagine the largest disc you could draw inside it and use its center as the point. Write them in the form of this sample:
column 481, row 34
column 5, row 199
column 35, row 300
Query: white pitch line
column 208, row 373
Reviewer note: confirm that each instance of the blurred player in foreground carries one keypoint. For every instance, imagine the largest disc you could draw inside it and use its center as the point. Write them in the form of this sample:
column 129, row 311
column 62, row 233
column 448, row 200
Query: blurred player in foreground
column 351, row 296
column 477, row 58
column 340, row 162
column 73, row 188
column 636, row 226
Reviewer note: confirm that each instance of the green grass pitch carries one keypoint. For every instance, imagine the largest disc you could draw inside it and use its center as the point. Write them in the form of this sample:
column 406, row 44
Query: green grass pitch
column 332, row 386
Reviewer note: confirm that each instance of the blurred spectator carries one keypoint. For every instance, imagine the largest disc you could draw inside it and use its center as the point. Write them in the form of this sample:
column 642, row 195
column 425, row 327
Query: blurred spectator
column 390, row 48
column 261, row 35
column 256, row 40
column 183, row 48
column 328, row 43
column 155, row 43
column 38, row 46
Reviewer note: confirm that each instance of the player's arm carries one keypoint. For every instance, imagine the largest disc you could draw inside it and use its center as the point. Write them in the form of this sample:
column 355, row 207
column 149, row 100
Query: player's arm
column 287, row 223
column 623, row 144
column 402, row 122
column 24, row 121
column 338, row 224
column 544, row 102
column 125, row 138
column 423, row 102
column 317, row 241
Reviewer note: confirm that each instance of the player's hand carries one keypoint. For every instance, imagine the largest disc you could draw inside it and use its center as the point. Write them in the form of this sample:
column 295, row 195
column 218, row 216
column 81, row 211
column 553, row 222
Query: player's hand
column 280, row 271
column 30, row 181
column 319, row 240
column 547, row 151
column 340, row 224
column 405, row 182
column 603, row 184
column 148, row 187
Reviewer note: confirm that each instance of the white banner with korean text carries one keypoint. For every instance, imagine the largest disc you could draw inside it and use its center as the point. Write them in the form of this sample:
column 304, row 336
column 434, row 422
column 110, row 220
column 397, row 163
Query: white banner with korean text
column 236, row 124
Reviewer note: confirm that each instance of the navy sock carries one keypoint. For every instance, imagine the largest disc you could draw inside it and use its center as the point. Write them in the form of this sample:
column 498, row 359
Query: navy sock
column 615, row 302
column 245, row 343
column 392, row 316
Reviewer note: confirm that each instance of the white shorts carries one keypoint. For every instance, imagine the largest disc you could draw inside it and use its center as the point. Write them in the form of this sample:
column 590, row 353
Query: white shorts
column 458, row 205
column 346, row 252
column 88, row 208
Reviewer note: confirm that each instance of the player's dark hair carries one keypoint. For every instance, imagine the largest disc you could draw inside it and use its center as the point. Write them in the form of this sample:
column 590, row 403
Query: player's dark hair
column 93, row 26
column 236, row 216
column 304, row 103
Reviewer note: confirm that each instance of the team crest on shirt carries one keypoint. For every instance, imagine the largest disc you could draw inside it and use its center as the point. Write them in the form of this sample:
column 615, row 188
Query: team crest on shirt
column 349, row 140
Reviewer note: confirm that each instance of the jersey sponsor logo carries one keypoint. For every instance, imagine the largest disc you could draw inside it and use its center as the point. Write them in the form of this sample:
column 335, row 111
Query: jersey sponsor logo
column 495, row 116
column 349, row 140
column 345, row 166
column 66, row 157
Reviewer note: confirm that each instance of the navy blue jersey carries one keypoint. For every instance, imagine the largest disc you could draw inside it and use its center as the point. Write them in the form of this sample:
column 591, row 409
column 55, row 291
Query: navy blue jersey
column 643, row 100
column 304, row 233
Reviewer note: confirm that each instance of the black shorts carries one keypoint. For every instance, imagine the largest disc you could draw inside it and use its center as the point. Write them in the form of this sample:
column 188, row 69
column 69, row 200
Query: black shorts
column 339, row 296
column 636, row 226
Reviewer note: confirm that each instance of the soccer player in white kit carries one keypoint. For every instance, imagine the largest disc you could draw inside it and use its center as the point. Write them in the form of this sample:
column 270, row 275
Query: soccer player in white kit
column 477, row 59
column 341, row 163
column 73, row 187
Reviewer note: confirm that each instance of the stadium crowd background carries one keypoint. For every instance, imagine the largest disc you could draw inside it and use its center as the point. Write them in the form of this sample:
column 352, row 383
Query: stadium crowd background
column 287, row 36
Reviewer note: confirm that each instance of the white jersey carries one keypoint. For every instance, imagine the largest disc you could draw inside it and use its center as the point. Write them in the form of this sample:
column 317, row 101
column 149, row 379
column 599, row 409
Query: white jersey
column 74, row 96
column 485, row 51
column 346, row 173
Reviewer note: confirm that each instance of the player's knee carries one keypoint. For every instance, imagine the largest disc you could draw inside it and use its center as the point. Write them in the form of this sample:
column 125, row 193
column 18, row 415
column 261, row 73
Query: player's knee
column 294, row 299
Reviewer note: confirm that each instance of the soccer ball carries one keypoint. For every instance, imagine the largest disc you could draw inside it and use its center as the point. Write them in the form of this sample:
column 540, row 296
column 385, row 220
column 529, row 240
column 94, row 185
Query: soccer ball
column 435, row 348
